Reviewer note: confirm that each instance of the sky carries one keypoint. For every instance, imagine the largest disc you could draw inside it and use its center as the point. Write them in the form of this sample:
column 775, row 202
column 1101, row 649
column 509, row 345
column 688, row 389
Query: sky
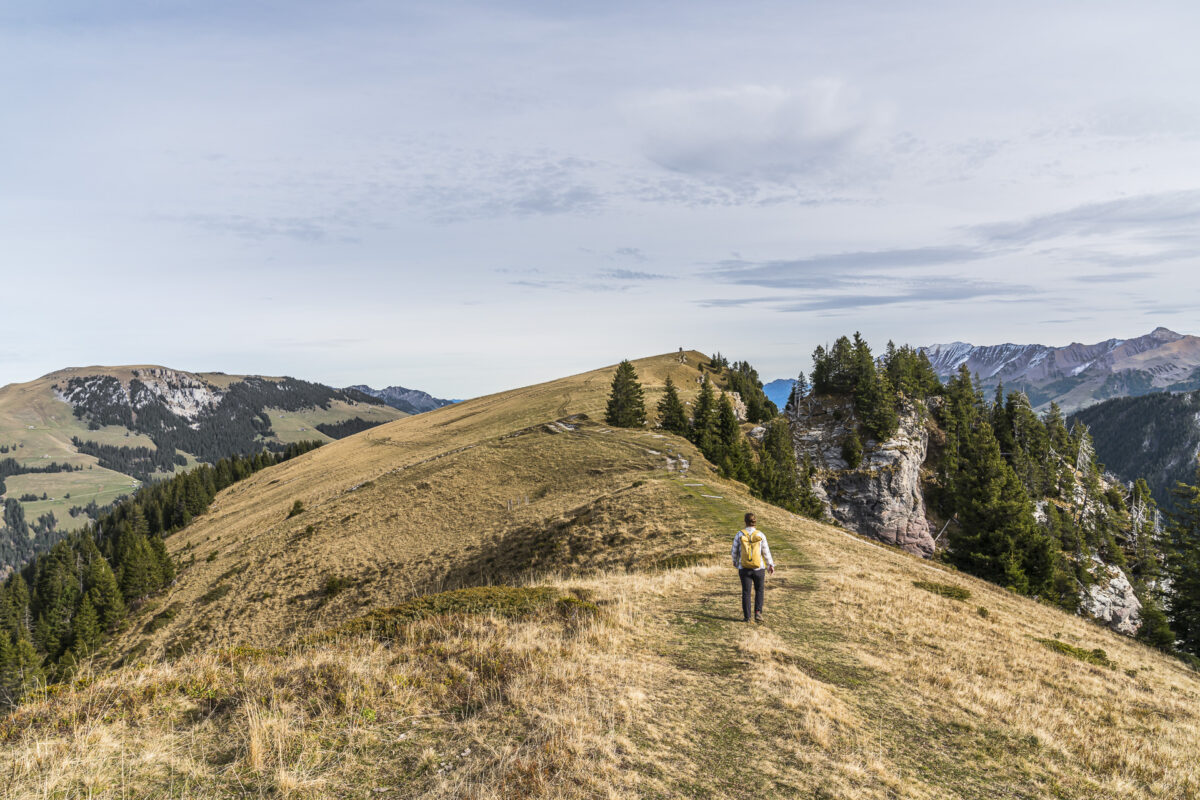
column 468, row 197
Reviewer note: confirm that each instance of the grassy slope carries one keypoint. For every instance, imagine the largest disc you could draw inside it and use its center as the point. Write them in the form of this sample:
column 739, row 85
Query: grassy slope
column 859, row 685
column 32, row 417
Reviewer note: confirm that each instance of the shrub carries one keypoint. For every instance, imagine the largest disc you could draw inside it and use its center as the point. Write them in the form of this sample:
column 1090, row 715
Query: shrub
column 297, row 509
column 335, row 584
column 852, row 450
column 215, row 593
column 1096, row 656
column 945, row 590
column 162, row 619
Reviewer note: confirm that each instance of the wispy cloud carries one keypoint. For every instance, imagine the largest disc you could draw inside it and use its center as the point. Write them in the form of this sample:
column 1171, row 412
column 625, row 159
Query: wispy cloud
column 1114, row 277
column 632, row 275
column 824, row 271
column 1148, row 213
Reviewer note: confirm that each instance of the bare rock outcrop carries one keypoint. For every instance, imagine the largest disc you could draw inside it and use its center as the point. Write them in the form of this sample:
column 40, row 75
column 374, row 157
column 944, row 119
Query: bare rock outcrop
column 1110, row 600
column 882, row 496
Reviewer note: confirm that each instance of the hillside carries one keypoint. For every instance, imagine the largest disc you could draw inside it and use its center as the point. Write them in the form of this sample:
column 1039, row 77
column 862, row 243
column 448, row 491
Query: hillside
column 1155, row 436
column 1079, row 375
column 618, row 671
column 105, row 430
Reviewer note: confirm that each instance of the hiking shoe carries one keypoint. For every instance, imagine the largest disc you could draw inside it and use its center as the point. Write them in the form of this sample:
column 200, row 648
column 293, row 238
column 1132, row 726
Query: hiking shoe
column 747, row 619
column 757, row 618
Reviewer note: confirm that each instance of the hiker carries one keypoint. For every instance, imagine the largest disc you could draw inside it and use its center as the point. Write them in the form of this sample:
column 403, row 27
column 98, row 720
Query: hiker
column 752, row 557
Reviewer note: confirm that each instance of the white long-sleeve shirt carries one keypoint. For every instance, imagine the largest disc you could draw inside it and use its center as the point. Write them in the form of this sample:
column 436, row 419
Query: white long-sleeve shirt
column 737, row 548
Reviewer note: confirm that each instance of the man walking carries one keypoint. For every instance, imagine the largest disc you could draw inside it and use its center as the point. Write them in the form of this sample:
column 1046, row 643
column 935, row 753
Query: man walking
column 752, row 557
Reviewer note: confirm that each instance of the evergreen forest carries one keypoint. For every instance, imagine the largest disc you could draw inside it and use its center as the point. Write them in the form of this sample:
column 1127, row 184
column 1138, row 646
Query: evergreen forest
column 65, row 603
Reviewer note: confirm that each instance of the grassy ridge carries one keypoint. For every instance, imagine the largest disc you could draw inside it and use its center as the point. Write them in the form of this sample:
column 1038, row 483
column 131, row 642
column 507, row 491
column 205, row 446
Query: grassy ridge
column 861, row 684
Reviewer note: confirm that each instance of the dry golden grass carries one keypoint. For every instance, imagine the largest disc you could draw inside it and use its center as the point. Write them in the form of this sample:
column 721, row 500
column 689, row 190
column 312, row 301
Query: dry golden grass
column 860, row 684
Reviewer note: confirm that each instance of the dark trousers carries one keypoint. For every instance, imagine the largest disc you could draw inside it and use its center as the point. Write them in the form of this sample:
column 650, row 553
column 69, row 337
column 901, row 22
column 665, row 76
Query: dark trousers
column 752, row 577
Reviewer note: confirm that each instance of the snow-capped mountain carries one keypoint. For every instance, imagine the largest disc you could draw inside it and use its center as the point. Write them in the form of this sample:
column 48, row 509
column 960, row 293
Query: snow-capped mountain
column 1079, row 375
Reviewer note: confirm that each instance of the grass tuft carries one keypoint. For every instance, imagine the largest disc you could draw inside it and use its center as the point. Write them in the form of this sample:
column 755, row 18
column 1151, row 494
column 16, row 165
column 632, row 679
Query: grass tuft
column 1096, row 656
column 944, row 589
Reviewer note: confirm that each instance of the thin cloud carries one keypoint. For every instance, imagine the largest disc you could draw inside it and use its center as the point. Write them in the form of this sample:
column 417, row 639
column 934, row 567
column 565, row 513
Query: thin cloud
column 632, row 275
column 1114, row 277
column 1148, row 213
column 822, row 271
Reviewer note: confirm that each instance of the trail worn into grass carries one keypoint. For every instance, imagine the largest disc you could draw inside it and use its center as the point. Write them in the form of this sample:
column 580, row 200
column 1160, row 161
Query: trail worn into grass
column 854, row 694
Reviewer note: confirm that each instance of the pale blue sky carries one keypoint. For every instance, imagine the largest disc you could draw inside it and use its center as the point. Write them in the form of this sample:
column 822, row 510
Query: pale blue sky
column 467, row 197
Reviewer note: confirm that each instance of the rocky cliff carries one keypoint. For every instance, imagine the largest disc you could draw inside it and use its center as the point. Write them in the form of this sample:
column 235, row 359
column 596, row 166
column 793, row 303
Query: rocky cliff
column 881, row 496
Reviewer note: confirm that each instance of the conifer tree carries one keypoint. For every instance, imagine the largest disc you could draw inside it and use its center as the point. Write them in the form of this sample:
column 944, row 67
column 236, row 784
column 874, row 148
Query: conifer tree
column 672, row 416
column 85, row 629
column 997, row 538
column 626, row 407
column 704, row 412
column 777, row 479
column 1183, row 567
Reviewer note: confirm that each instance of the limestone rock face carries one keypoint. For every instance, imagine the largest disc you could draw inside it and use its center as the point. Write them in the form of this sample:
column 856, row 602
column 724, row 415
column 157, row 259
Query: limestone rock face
column 1111, row 600
column 882, row 496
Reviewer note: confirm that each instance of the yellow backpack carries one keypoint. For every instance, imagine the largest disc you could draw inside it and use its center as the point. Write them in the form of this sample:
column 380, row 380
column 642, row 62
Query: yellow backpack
column 751, row 550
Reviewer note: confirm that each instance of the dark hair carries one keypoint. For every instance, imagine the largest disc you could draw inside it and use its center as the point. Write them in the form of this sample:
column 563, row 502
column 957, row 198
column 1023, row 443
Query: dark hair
column 750, row 518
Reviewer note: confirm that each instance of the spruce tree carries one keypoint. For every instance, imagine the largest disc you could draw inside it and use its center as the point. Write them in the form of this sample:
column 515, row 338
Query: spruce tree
column 704, row 412
column 672, row 416
column 997, row 538
column 777, row 480
column 626, row 408
column 1183, row 567
column 85, row 629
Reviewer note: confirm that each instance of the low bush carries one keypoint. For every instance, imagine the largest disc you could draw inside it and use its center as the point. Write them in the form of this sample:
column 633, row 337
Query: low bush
column 945, row 590
column 1096, row 656
column 215, row 593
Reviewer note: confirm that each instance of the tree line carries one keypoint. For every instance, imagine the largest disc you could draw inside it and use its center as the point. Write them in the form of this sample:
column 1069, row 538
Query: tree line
column 713, row 426
column 66, row 602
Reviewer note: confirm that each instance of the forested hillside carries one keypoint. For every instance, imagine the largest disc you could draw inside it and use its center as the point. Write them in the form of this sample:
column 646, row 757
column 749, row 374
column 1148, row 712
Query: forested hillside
column 76, row 441
column 64, row 604
column 1156, row 436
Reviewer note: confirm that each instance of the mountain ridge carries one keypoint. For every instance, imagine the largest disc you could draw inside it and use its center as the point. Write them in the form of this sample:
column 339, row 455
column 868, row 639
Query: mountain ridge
column 1077, row 374
column 410, row 401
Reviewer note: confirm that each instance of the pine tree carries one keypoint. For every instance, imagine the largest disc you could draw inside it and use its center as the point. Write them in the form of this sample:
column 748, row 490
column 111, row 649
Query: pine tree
column 672, row 416
column 705, row 411
column 800, row 390
column 626, row 408
column 777, row 480
column 997, row 538
column 85, row 629
column 1183, row 567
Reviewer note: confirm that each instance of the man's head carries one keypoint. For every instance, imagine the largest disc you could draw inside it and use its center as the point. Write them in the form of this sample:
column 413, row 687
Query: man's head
column 750, row 520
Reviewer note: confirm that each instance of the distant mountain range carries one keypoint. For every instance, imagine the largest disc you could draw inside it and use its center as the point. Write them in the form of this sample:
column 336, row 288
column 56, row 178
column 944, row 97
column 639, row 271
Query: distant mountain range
column 779, row 390
column 75, row 440
column 1079, row 375
column 410, row 401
